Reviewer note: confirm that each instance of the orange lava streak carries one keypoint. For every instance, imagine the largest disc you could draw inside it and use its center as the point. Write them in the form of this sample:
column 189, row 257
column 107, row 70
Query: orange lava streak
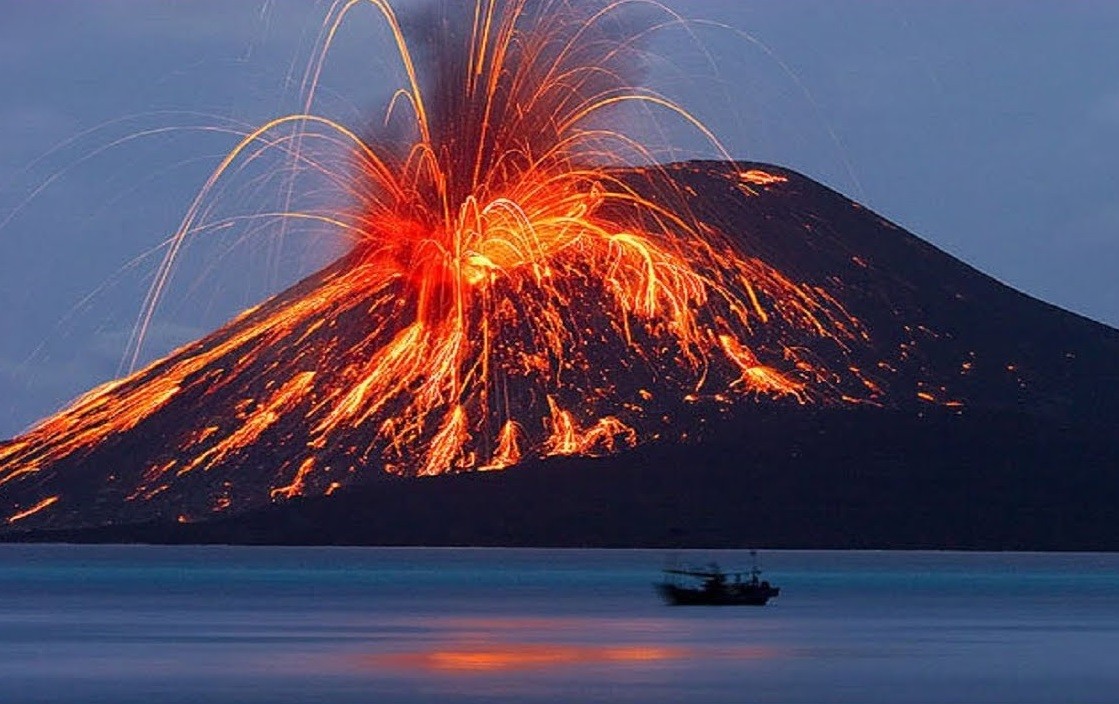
column 251, row 425
column 295, row 488
column 761, row 178
column 34, row 509
column 449, row 442
column 567, row 438
column 756, row 376
column 508, row 452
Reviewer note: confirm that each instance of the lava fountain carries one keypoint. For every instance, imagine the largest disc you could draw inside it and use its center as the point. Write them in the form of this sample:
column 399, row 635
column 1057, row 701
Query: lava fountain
column 523, row 280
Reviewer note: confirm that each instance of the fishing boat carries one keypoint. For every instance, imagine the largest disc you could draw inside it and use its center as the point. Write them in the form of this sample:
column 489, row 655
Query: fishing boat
column 711, row 586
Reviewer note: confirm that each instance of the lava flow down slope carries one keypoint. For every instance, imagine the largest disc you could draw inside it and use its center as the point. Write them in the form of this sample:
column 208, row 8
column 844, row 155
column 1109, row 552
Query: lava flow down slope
column 518, row 289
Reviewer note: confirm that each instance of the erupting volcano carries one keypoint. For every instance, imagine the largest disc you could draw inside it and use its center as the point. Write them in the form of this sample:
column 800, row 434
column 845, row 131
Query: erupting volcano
column 524, row 280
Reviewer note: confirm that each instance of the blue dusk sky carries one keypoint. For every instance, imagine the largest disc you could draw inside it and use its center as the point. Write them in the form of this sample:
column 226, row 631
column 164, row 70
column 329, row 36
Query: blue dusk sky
column 988, row 128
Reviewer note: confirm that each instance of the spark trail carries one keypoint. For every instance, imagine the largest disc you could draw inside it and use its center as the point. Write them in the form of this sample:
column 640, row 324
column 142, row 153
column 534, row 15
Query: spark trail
column 524, row 280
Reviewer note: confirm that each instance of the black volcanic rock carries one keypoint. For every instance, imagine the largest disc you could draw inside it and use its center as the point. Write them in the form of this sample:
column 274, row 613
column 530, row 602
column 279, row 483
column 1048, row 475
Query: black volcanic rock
column 946, row 328
column 995, row 428
column 860, row 479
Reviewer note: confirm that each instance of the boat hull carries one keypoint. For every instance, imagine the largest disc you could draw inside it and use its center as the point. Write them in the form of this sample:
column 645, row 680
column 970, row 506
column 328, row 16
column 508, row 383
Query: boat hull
column 745, row 595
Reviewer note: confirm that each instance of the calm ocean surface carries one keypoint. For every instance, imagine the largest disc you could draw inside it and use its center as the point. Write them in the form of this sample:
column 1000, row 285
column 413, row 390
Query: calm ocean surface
column 273, row 625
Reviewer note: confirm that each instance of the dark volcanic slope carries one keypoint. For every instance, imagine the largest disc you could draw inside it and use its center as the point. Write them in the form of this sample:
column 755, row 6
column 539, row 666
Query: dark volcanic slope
column 991, row 427
column 948, row 329
column 859, row 479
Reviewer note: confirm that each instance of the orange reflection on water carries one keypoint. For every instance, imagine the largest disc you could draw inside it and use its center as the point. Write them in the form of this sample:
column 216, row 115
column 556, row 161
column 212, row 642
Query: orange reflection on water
column 506, row 657
column 520, row 656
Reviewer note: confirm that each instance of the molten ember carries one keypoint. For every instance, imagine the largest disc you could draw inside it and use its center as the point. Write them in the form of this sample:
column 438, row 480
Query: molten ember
column 524, row 281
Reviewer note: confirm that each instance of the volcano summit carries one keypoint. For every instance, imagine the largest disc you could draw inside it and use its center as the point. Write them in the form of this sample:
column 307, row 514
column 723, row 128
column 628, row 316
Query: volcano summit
column 517, row 291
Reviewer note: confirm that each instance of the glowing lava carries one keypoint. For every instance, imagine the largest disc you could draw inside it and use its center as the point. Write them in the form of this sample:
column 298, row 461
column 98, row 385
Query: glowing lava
column 516, row 286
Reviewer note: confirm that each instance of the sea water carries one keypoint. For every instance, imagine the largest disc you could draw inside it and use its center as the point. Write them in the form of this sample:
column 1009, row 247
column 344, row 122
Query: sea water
column 90, row 624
